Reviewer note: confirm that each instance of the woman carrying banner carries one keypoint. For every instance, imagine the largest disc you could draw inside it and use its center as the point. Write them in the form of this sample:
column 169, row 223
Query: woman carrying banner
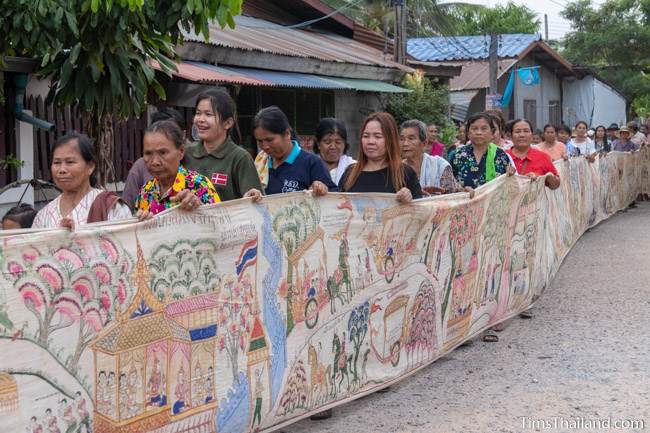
column 172, row 184
column 332, row 146
column 379, row 166
column 282, row 165
column 81, row 201
column 434, row 172
column 216, row 156
column 551, row 146
column 480, row 161
column 581, row 144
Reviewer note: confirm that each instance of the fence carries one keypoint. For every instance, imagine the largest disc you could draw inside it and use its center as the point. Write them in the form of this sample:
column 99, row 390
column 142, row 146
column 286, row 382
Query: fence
column 127, row 137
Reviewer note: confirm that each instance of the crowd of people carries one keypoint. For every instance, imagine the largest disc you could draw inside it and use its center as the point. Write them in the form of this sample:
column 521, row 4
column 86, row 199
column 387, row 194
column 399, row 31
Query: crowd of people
column 407, row 160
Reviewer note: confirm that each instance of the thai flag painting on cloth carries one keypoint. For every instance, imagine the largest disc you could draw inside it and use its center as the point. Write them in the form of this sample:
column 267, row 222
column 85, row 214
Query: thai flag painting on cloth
column 247, row 257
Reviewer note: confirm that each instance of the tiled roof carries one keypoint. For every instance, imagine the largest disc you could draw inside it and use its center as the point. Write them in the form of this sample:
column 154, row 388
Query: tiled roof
column 141, row 331
column 444, row 48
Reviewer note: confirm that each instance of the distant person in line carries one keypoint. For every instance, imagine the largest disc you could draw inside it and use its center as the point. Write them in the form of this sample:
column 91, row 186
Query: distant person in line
column 282, row 165
column 499, row 132
column 172, row 184
column 332, row 146
column 538, row 137
column 379, row 166
column 601, row 143
column 433, row 145
column 551, row 146
column 564, row 134
column 20, row 216
column 624, row 142
column 480, row 161
column 581, row 144
column 612, row 131
column 434, row 172
column 638, row 138
column 138, row 175
column 81, row 200
column 216, row 155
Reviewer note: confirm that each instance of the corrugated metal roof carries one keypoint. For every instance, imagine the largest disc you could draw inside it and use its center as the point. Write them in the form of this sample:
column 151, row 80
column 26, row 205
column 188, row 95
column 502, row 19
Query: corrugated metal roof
column 437, row 49
column 287, row 79
column 476, row 75
column 368, row 85
column 209, row 74
column 259, row 35
column 459, row 103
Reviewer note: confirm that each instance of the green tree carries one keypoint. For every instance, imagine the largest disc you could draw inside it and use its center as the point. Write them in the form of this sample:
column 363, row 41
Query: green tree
column 614, row 39
column 427, row 101
column 99, row 53
column 501, row 19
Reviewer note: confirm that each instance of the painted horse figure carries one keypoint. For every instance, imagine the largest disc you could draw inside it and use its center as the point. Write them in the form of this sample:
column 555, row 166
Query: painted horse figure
column 340, row 279
column 341, row 364
column 320, row 378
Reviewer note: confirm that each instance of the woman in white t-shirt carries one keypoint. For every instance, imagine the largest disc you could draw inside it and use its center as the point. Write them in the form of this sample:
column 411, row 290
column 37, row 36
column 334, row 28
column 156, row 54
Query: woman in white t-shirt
column 73, row 170
column 581, row 144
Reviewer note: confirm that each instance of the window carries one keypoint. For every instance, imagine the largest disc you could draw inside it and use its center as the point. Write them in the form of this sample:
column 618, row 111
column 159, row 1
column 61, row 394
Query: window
column 530, row 111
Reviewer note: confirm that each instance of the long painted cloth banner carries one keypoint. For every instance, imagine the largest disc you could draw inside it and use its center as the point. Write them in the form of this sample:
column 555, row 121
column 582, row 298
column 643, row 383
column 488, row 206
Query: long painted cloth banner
column 241, row 317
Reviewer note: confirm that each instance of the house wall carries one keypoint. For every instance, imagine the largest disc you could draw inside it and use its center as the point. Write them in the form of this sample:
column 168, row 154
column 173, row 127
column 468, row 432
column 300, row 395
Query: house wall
column 593, row 101
column 352, row 108
column 548, row 90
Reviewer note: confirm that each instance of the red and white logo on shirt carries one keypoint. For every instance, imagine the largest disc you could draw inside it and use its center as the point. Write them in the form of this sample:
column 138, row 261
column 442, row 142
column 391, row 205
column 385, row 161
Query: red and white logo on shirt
column 220, row 179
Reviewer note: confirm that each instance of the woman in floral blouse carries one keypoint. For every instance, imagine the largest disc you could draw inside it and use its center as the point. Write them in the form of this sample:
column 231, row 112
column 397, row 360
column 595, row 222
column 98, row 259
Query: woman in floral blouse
column 172, row 184
column 480, row 161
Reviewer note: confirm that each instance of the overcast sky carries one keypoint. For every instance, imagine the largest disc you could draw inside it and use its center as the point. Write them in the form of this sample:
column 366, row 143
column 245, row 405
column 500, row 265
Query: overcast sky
column 557, row 26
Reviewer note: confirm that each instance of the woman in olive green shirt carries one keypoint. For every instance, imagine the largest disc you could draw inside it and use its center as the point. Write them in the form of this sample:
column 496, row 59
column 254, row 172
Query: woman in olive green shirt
column 216, row 156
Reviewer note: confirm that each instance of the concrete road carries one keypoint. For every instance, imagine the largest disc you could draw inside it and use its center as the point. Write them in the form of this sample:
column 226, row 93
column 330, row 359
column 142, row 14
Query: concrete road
column 581, row 364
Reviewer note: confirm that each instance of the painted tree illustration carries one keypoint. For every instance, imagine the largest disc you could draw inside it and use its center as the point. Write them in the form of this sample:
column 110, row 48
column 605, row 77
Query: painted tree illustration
column 82, row 283
column 495, row 227
column 422, row 328
column 292, row 225
column 462, row 227
column 235, row 320
column 357, row 330
column 184, row 268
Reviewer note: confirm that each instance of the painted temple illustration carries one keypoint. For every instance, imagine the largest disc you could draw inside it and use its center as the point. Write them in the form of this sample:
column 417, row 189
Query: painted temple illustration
column 155, row 366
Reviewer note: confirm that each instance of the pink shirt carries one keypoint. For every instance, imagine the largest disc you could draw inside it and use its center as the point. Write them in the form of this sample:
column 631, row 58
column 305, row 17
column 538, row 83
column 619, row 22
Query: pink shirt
column 437, row 149
column 557, row 151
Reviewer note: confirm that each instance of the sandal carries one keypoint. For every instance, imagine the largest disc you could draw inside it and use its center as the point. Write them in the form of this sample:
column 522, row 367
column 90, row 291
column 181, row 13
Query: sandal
column 526, row 314
column 490, row 337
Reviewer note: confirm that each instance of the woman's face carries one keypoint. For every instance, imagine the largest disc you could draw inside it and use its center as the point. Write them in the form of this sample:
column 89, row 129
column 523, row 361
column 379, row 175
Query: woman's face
column 522, row 136
column 373, row 141
column 8, row 224
column 461, row 136
column 549, row 135
column 563, row 136
column 537, row 139
column 581, row 130
column 277, row 146
column 600, row 133
column 496, row 135
column 480, row 132
column 209, row 125
column 412, row 147
column 331, row 147
column 69, row 170
column 161, row 156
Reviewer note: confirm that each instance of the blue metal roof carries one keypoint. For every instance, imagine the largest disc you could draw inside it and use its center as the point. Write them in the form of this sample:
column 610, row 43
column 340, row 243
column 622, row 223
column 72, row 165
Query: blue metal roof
column 287, row 79
column 444, row 48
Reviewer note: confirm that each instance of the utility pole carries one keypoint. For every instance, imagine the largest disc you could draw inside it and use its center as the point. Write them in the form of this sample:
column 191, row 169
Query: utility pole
column 494, row 63
column 546, row 27
column 400, row 31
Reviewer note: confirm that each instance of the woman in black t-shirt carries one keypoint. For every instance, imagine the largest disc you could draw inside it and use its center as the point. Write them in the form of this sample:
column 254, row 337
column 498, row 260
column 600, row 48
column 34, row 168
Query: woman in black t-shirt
column 379, row 166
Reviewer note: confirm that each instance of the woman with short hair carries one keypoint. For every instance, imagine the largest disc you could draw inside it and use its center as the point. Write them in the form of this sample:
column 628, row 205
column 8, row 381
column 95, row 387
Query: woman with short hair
column 81, row 200
column 332, row 146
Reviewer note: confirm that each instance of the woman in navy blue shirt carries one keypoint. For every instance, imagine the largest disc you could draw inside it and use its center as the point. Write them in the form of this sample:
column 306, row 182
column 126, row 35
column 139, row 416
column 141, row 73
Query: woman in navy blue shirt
column 289, row 167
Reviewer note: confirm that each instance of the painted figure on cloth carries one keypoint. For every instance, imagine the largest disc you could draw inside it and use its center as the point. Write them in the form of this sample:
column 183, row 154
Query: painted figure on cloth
column 180, row 393
column 155, row 391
